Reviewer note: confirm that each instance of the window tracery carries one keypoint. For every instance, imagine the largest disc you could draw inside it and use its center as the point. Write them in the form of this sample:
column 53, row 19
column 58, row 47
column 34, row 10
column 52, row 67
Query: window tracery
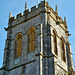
column 31, row 39
column 18, row 45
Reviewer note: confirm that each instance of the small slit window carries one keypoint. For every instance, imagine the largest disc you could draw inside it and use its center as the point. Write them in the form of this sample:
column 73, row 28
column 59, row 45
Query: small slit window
column 24, row 69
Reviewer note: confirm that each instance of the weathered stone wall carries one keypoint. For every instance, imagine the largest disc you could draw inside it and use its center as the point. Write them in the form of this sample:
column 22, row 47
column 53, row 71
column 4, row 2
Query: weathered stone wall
column 42, row 61
column 60, row 31
column 25, row 58
column 29, row 69
column 23, row 28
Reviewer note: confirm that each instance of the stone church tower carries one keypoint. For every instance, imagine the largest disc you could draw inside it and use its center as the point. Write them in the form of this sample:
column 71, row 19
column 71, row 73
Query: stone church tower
column 37, row 43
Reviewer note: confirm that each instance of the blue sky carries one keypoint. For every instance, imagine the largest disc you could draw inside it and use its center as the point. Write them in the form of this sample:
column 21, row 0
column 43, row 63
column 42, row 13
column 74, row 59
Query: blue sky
column 65, row 8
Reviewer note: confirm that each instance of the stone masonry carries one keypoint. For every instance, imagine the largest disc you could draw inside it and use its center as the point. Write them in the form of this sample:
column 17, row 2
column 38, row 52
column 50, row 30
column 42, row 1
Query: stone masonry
column 42, row 61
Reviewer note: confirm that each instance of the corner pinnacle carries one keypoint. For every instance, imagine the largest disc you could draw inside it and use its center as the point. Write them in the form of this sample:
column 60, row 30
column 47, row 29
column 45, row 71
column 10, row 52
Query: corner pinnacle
column 65, row 20
column 56, row 10
column 10, row 15
column 25, row 6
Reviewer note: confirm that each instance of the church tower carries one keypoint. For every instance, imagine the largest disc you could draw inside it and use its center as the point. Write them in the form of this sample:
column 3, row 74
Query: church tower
column 37, row 43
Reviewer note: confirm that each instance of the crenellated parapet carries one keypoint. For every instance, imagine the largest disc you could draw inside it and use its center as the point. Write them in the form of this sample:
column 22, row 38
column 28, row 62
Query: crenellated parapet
column 27, row 11
column 43, row 6
column 19, row 15
column 11, row 19
column 33, row 8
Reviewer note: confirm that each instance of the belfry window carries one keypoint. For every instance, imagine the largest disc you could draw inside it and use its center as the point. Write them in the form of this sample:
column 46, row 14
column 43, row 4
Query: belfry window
column 31, row 39
column 18, row 45
column 62, row 50
column 55, row 42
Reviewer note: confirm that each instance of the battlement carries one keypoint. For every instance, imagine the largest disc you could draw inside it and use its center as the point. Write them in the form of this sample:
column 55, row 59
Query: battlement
column 36, row 10
column 33, row 8
column 19, row 15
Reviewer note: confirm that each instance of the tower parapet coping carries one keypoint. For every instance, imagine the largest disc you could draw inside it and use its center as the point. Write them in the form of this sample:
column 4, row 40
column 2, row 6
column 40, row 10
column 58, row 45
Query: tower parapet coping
column 27, row 11
column 40, row 5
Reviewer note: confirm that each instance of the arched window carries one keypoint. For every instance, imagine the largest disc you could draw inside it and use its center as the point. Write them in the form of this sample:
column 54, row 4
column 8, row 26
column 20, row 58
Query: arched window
column 55, row 42
column 31, row 39
column 62, row 50
column 18, row 45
